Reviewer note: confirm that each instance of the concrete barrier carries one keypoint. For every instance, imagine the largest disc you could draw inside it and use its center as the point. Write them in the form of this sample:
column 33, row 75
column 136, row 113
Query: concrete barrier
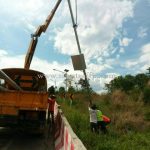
column 65, row 138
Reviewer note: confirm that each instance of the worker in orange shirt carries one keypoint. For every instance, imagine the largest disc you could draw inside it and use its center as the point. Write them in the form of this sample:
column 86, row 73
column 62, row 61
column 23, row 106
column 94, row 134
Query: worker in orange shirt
column 51, row 102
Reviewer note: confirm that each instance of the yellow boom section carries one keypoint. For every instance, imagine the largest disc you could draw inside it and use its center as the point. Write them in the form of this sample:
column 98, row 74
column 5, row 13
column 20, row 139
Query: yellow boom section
column 38, row 32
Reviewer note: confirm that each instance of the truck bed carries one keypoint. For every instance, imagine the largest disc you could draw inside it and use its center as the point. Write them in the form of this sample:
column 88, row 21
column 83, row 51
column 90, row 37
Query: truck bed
column 13, row 101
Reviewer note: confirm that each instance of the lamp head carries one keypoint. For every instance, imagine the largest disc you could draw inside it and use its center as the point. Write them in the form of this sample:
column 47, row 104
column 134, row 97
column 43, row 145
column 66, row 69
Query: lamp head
column 66, row 70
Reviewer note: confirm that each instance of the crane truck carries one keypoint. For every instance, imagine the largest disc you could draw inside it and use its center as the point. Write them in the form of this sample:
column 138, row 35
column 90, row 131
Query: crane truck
column 23, row 92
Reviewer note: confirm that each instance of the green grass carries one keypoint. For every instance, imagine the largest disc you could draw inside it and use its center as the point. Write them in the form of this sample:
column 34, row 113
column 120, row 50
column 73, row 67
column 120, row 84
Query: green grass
column 129, row 133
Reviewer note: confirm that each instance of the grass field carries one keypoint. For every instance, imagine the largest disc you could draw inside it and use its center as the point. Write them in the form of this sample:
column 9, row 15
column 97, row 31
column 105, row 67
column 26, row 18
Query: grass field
column 130, row 121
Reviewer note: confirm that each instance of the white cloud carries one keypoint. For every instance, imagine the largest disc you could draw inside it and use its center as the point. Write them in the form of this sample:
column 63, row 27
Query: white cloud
column 26, row 7
column 9, row 61
column 125, row 41
column 26, row 13
column 142, row 32
column 122, row 50
column 65, row 41
column 117, row 56
column 98, row 23
column 131, row 63
column 143, row 59
column 97, row 27
column 2, row 53
column 145, row 55
column 96, row 68
column 98, row 83
column 146, row 49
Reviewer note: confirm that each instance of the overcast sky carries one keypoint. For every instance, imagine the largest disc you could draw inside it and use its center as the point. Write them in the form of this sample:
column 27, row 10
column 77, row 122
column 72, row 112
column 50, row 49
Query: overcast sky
column 114, row 37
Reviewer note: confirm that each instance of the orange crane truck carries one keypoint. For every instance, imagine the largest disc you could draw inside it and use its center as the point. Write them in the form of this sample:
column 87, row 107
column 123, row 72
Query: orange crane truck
column 23, row 98
column 23, row 92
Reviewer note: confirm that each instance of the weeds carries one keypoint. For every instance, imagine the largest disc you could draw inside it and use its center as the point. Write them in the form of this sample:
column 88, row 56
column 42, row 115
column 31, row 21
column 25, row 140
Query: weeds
column 129, row 128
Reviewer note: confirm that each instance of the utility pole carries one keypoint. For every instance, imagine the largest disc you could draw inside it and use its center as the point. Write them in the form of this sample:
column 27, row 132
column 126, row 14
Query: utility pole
column 79, row 48
column 65, row 75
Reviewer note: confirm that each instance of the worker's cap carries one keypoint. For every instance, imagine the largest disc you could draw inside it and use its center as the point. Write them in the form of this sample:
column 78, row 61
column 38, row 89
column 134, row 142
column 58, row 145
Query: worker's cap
column 52, row 96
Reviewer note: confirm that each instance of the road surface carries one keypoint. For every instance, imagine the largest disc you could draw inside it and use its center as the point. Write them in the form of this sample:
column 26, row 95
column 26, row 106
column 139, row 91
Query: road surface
column 12, row 139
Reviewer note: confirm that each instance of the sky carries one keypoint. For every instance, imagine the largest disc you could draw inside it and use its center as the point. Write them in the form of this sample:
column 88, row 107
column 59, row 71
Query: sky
column 114, row 37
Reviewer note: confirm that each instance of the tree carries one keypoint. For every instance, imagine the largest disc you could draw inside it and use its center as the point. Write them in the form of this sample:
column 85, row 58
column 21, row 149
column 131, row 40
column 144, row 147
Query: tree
column 146, row 95
column 126, row 83
column 85, row 87
column 71, row 89
column 114, row 84
column 51, row 90
column 61, row 90
column 141, row 80
column 83, row 83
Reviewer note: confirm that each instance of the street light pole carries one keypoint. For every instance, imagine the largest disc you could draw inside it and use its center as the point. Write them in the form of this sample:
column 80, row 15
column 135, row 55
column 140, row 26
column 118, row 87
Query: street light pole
column 66, row 79
column 58, row 70
column 79, row 48
column 65, row 75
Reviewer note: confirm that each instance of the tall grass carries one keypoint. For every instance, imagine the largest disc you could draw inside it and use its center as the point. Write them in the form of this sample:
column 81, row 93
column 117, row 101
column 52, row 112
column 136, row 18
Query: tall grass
column 129, row 129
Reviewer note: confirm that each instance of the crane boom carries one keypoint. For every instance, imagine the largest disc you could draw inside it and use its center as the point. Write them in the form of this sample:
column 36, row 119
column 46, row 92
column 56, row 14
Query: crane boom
column 38, row 32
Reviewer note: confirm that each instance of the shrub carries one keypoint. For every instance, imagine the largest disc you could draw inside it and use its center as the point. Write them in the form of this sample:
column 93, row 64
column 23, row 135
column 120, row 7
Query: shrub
column 146, row 95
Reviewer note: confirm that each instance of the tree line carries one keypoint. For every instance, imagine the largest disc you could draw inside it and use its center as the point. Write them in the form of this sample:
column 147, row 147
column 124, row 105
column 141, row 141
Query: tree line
column 128, row 83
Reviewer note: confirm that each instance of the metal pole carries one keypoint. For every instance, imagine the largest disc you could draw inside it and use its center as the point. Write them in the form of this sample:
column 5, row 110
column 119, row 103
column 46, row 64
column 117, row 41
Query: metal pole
column 74, row 27
column 78, row 44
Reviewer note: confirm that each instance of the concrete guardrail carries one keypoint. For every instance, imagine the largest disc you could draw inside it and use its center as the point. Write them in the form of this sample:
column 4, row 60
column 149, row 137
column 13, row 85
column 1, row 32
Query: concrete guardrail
column 65, row 138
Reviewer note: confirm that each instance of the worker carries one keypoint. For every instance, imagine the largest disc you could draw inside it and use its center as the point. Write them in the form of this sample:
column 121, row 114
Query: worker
column 51, row 102
column 93, row 118
column 101, row 124
column 106, row 120
column 63, row 96
column 71, row 99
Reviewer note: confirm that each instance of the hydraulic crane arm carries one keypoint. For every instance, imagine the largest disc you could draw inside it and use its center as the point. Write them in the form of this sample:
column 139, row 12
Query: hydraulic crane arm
column 38, row 32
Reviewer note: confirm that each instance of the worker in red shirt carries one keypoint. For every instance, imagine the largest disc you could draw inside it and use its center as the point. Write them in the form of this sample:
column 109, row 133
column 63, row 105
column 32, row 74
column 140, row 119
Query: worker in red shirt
column 51, row 102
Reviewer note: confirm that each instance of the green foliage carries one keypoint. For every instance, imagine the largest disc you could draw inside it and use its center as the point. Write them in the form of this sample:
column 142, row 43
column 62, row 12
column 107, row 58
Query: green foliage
column 146, row 95
column 71, row 89
column 147, row 116
column 83, row 83
column 128, row 118
column 141, row 80
column 134, row 86
column 85, row 87
column 61, row 90
column 128, row 83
